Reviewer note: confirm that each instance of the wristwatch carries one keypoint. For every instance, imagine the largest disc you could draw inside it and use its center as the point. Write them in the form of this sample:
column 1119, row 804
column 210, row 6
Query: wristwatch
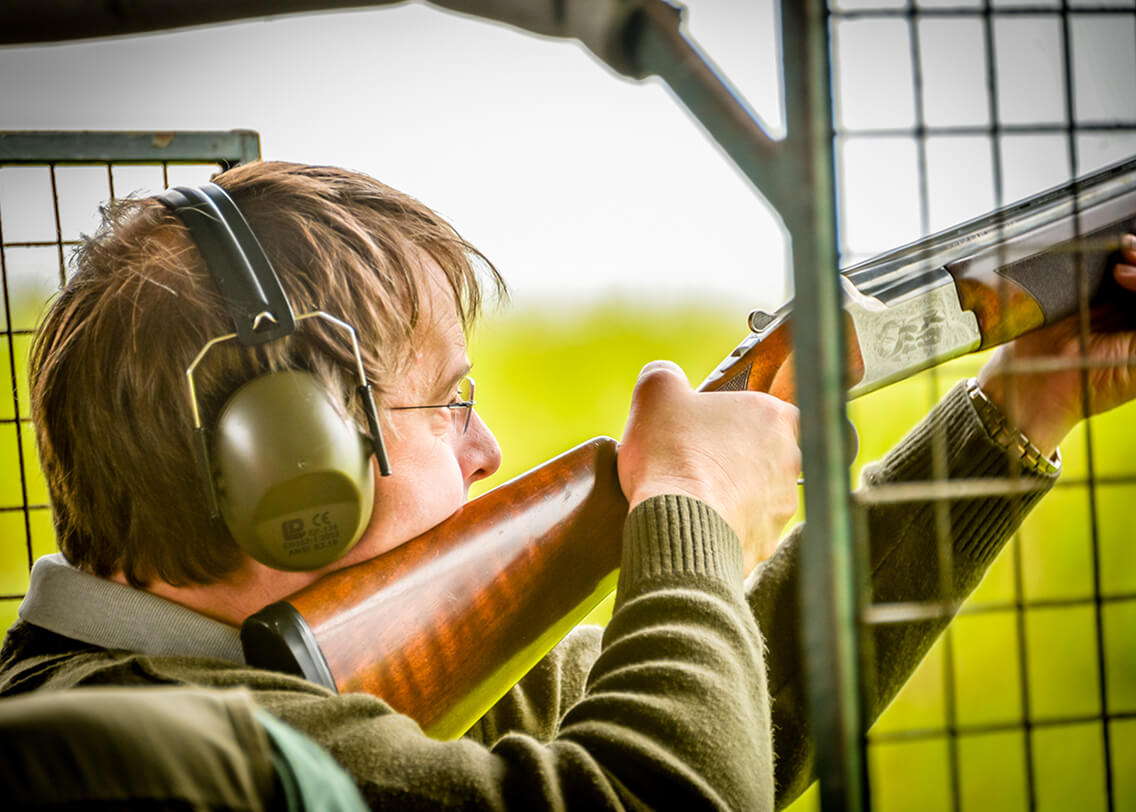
column 1006, row 436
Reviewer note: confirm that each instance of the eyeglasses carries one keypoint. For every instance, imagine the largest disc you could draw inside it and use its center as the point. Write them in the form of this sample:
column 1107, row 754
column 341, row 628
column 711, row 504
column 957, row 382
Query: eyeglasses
column 461, row 408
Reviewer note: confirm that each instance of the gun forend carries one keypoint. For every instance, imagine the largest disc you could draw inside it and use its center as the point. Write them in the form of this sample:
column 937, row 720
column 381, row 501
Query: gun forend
column 973, row 286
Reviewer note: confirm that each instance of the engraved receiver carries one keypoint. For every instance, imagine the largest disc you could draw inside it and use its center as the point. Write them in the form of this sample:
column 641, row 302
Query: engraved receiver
column 973, row 286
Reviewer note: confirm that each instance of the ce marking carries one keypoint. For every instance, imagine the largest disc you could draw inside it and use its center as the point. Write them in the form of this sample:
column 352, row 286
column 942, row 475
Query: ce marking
column 322, row 519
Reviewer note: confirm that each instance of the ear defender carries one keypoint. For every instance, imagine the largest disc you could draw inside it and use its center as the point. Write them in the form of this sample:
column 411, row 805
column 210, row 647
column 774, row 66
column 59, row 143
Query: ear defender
column 294, row 479
column 285, row 469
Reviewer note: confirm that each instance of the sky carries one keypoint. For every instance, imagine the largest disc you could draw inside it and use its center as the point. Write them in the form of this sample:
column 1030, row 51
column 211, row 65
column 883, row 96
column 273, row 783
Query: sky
column 579, row 183
column 573, row 180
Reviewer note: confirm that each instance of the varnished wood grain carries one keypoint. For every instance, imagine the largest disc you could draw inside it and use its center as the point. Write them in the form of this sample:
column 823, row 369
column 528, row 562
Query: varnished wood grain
column 427, row 624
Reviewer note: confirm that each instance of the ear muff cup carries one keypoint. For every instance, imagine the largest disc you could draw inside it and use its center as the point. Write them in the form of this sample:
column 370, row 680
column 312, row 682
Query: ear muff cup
column 295, row 480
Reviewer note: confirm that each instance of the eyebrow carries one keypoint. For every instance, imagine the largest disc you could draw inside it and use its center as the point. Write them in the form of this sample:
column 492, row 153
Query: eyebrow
column 446, row 386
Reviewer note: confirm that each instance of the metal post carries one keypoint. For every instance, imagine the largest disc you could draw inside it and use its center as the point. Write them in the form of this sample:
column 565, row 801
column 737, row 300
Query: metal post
column 798, row 177
column 827, row 564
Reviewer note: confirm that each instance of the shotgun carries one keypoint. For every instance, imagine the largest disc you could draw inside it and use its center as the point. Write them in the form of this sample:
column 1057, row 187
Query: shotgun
column 442, row 626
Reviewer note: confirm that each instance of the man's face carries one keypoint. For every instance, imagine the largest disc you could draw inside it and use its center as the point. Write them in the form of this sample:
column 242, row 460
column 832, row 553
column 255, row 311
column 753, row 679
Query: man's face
column 432, row 462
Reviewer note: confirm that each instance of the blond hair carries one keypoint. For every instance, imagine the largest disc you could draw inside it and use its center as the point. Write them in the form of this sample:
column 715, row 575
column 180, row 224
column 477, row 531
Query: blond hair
column 108, row 388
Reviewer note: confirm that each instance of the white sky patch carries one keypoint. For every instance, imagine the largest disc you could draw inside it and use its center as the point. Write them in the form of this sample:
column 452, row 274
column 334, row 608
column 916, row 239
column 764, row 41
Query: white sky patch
column 570, row 178
column 575, row 182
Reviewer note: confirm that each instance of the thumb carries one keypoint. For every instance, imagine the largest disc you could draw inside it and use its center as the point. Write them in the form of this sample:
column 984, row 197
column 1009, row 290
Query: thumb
column 662, row 375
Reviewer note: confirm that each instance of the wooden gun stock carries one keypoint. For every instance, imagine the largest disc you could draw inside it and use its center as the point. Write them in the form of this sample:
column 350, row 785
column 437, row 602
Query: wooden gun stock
column 443, row 626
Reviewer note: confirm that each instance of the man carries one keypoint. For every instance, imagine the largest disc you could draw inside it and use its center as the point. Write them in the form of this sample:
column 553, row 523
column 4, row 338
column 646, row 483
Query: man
column 667, row 707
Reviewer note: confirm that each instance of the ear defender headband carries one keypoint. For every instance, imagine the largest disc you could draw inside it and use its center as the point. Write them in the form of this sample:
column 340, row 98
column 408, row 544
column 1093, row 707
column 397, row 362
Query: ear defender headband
column 290, row 476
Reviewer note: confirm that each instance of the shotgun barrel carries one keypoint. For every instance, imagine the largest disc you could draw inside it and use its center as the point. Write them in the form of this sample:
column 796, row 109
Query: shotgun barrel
column 442, row 626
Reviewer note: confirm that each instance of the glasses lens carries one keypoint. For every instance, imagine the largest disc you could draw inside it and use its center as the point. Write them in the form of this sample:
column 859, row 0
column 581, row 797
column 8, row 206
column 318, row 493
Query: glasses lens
column 465, row 393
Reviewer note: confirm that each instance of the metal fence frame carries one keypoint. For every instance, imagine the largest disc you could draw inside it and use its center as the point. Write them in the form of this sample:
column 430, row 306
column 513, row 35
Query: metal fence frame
column 93, row 148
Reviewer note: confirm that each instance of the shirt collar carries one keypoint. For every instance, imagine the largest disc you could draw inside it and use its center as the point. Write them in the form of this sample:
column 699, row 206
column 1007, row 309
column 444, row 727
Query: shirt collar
column 76, row 604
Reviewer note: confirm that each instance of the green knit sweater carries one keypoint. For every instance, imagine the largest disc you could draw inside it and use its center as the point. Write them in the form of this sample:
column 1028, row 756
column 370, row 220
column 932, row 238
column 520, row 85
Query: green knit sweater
column 669, row 706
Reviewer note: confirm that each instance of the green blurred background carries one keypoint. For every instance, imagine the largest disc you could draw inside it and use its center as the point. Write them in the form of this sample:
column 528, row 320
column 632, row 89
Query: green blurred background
column 549, row 378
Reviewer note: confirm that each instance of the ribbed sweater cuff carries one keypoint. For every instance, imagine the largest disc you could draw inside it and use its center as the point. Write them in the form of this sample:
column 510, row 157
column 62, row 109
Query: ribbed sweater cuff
column 951, row 442
column 678, row 535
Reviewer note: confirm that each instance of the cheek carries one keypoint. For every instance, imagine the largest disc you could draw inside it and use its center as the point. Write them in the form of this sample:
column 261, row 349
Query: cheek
column 426, row 487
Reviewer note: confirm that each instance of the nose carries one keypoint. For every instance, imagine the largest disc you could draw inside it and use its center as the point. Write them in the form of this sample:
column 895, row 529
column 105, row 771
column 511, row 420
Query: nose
column 481, row 455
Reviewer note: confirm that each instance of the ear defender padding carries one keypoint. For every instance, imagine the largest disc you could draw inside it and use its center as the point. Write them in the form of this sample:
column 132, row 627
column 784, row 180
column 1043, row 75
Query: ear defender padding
column 294, row 478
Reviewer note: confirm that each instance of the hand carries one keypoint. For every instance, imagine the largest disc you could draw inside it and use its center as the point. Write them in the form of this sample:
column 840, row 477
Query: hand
column 1045, row 406
column 735, row 451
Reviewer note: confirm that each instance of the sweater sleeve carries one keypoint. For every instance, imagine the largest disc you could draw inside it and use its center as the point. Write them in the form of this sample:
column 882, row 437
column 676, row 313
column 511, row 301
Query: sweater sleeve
column 673, row 712
column 907, row 564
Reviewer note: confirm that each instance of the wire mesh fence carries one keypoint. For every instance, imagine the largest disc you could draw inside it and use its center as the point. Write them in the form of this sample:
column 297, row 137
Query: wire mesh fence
column 944, row 110
column 52, row 187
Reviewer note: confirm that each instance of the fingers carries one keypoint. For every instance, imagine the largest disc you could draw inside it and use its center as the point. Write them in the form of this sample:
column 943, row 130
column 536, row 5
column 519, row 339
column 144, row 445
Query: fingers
column 791, row 415
column 736, row 451
column 1125, row 271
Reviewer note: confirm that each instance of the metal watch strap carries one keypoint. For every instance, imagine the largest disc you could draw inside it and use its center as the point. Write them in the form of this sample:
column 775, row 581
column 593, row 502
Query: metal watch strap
column 1006, row 436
